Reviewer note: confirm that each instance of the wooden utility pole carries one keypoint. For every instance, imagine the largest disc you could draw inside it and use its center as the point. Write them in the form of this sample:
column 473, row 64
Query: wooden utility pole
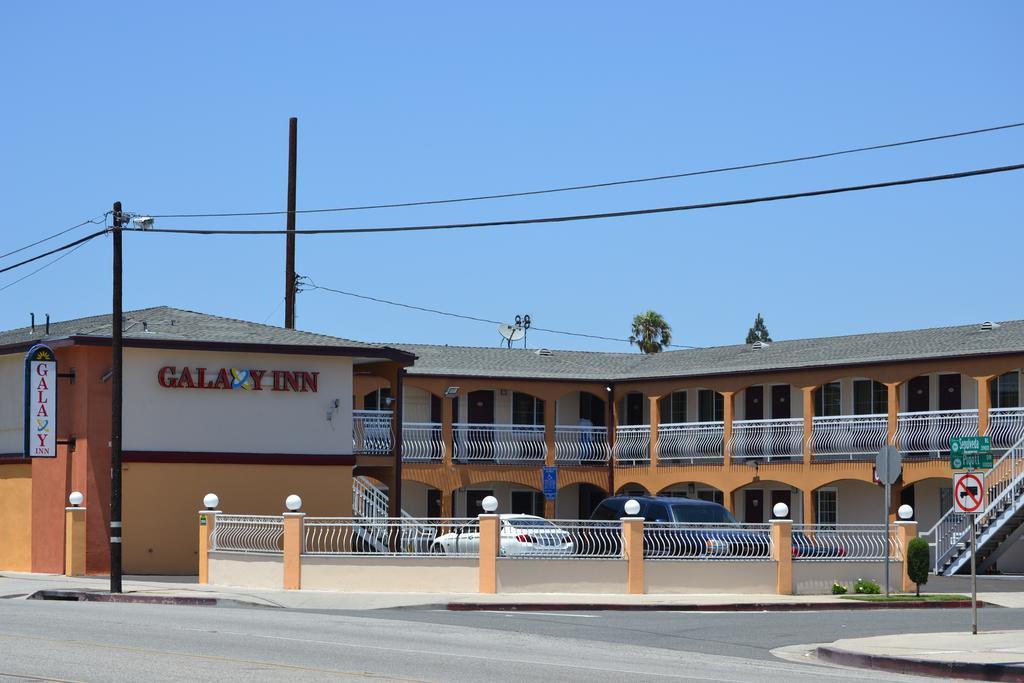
column 289, row 275
column 116, row 345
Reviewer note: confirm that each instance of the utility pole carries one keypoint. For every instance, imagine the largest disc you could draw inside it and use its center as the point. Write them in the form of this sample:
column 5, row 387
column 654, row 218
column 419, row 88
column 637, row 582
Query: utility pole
column 116, row 343
column 289, row 267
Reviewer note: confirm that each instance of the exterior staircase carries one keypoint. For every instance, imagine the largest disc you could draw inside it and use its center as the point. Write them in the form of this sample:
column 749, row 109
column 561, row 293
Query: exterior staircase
column 369, row 503
column 997, row 527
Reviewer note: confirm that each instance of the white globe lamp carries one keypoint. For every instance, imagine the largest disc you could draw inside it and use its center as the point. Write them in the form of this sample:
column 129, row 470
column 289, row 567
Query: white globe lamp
column 76, row 498
column 211, row 501
column 905, row 512
column 781, row 511
column 293, row 503
column 631, row 508
column 489, row 504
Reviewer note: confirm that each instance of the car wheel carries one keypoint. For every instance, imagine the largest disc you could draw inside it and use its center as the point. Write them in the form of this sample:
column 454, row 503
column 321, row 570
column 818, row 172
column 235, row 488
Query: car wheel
column 437, row 550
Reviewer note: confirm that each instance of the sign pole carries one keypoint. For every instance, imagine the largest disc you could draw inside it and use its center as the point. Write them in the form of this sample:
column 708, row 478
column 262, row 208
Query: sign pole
column 885, row 543
column 974, row 577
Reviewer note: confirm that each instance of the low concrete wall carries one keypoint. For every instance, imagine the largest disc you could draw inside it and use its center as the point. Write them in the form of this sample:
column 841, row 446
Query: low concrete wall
column 561, row 576
column 251, row 571
column 390, row 574
column 816, row 578
column 709, row 576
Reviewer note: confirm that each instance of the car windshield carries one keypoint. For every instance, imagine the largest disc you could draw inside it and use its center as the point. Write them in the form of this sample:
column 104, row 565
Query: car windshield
column 702, row 514
column 528, row 523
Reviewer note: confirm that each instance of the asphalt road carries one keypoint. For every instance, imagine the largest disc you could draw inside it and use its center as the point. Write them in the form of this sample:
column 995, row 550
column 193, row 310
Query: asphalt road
column 117, row 642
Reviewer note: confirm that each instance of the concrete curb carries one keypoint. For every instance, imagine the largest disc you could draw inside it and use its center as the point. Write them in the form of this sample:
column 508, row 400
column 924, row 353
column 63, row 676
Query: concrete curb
column 88, row 596
column 908, row 665
column 675, row 607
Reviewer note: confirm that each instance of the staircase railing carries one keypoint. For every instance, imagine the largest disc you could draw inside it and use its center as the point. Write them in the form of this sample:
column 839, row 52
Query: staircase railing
column 1001, row 483
column 367, row 500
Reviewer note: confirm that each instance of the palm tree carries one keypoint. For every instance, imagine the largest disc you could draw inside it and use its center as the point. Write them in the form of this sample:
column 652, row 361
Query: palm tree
column 650, row 332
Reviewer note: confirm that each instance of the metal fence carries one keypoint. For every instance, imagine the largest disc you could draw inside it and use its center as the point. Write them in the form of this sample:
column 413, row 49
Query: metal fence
column 682, row 541
column 391, row 536
column 371, row 432
column 632, row 445
column 580, row 539
column 581, row 445
column 690, row 442
column 248, row 534
column 848, row 437
column 845, row 542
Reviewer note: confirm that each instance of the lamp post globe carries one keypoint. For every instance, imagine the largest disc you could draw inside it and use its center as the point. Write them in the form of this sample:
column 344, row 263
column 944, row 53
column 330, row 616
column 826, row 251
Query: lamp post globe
column 76, row 498
column 905, row 512
column 293, row 503
column 781, row 511
column 211, row 501
column 489, row 504
column 631, row 508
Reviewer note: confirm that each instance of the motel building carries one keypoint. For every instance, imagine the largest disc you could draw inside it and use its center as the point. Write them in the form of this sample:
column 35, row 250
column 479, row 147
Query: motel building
column 255, row 412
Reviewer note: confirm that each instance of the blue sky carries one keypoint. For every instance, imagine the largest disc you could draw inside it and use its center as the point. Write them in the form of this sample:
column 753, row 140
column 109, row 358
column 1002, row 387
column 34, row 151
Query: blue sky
column 184, row 107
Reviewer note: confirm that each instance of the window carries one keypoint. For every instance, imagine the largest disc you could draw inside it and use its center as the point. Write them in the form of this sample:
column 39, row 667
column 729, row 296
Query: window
column 1005, row 390
column 527, row 410
column 869, row 397
column 713, row 495
column 710, row 406
column 377, row 400
column 527, row 503
column 827, row 505
column 673, row 407
column 827, row 400
column 592, row 408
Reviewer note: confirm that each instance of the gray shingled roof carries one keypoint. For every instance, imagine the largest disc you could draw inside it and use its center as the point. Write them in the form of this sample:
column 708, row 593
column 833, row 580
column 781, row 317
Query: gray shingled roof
column 880, row 347
column 175, row 324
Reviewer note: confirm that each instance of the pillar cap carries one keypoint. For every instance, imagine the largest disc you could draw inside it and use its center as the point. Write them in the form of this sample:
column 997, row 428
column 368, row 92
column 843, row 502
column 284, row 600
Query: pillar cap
column 631, row 519
column 293, row 514
column 75, row 507
column 210, row 512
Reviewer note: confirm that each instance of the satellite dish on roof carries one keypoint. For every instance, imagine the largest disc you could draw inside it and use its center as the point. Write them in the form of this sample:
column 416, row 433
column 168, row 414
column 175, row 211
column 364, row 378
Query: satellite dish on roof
column 511, row 333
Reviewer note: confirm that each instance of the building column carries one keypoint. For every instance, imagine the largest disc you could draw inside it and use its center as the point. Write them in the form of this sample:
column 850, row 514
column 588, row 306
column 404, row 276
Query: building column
column 655, row 420
column 728, row 411
column 810, row 510
column 984, row 402
column 808, row 400
column 446, row 504
column 549, row 431
column 447, row 432
column 894, row 409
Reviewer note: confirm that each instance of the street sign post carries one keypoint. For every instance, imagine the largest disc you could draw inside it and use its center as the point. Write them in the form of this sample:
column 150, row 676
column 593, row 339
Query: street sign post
column 969, row 498
column 888, row 465
column 550, row 483
column 970, row 452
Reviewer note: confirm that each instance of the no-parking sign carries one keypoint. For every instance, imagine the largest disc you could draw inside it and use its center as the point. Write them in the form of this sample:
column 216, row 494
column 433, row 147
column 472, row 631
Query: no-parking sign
column 968, row 492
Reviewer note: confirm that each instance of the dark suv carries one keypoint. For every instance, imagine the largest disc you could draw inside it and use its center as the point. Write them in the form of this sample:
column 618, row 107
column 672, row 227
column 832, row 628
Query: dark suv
column 714, row 531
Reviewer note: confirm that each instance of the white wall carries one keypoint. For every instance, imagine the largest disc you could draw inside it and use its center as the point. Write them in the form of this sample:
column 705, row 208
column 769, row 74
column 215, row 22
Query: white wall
column 416, row 406
column 12, row 403
column 157, row 418
column 859, row 502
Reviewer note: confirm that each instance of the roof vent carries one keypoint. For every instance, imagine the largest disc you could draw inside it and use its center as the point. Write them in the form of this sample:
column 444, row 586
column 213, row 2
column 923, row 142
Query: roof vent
column 544, row 352
column 758, row 345
column 988, row 326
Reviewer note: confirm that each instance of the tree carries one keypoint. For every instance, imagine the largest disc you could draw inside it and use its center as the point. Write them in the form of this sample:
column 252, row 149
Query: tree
column 758, row 332
column 650, row 332
column 917, row 562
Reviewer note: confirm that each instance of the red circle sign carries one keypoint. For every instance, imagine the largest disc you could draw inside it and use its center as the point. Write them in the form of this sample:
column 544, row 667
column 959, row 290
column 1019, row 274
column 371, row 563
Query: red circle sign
column 968, row 492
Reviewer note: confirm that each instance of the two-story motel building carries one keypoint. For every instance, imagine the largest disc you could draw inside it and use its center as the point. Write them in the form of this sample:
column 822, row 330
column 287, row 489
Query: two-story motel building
column 749, row 426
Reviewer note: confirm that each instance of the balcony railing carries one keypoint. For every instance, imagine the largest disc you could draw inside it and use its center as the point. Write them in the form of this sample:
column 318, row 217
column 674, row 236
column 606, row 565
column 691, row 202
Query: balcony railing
column 581, row 445
column 500, row 444
column 849, row 437
column 1005, row 426
column 689, row 443
column 371, row 432
column 422, row 442
column 632, row 445
column 927, row 434
column 768, row 439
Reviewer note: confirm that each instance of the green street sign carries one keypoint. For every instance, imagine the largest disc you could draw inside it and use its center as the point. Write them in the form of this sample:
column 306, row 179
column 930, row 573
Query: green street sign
column 970, row 452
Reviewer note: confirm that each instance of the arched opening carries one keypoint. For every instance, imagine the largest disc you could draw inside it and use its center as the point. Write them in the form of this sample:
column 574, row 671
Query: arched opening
column 632, row 489
column 755, row 502
column 421, row 426
column 420, row 500
column 933, row 408
column 577, row 501
column 848, row 501
column 581, row 434
column 769, row 423
column 499, row 426
column 695, row 490
column 691, row 427
column 512, row 498
column 1006, row 417
column 851, row 420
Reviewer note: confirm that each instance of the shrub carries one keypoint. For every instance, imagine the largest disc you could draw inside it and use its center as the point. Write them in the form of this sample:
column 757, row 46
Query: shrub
column 866, row 587
column 917, row 562
column 838, row 588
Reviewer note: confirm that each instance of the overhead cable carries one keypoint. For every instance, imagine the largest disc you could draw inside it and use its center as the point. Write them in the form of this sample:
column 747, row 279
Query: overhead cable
column 46, row 265
column 59, row 249
column 95, row 221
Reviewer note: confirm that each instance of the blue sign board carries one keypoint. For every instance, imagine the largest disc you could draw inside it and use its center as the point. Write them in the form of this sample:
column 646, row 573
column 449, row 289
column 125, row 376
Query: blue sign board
column 550, row 482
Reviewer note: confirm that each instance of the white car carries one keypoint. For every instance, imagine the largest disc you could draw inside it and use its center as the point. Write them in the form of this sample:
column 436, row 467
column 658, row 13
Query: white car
column 520, row 535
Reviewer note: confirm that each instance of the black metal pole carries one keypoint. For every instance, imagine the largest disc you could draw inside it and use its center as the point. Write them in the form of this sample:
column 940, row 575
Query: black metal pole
column 289, row 276
column 115, row 402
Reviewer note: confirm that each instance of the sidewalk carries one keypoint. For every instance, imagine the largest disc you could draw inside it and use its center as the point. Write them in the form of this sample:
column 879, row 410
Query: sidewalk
column 991, row 656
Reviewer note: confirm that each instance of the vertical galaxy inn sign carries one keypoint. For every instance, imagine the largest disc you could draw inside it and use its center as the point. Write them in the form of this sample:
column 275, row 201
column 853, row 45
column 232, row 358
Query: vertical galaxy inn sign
column 40, row 402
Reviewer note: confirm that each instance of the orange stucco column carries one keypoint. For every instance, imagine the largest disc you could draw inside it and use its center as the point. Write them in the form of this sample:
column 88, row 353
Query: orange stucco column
column 447, row 431
column 728, row 411
column 810, row 510
column 894, row 409
column 633, row 549
column 549, row 433
column 655, row 420
column 905, row 533
column 207, row 523
column 489, row 540
column 984, row 402
column 74, row 541
column 782, row 553
column 293, row 550
column 808, row 397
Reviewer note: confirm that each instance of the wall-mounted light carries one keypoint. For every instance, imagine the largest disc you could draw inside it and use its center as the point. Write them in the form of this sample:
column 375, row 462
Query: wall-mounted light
column 451, row 392
column 608, row 388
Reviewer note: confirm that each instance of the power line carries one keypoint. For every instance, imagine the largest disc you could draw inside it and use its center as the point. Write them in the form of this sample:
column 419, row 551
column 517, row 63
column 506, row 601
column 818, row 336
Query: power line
column 44, row 266
column 96, row 221
column 598, row 216
column 613, row 183
column 69, row 245
column 313, row 285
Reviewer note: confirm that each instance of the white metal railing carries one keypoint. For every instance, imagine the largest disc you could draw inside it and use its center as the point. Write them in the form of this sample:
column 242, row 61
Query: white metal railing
column 371, row 432
column 499, row 443
column 690, row 442
column 368, row 501
column 632, row 444
column 928, row 433
column 852, row 542
column 422, row 442
column 388, row 536
column 560, row 538
column 1005, row 426
column 248, row 534
column 848, row 437
column 769, row 439
column 581, row 445
column 683, row 541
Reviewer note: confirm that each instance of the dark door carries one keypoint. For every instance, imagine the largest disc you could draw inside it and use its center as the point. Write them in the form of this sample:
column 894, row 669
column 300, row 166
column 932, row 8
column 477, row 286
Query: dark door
column 782, row 497
column 780, row 401
column 949, row 392
column 907, row 497
column 754, row 507
column 917, row 395
column 435, row 409
column 634, row 409
column 433, row 503
column 475, row 502
column 754, row 406
column 481, row 407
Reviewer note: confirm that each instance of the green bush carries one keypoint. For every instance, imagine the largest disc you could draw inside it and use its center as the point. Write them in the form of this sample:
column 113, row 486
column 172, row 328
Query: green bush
column 866, row 587
column 838, row 589
column 917, row 562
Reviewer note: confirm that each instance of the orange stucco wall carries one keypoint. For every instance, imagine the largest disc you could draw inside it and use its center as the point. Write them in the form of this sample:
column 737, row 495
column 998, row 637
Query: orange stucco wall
column 16, row 517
